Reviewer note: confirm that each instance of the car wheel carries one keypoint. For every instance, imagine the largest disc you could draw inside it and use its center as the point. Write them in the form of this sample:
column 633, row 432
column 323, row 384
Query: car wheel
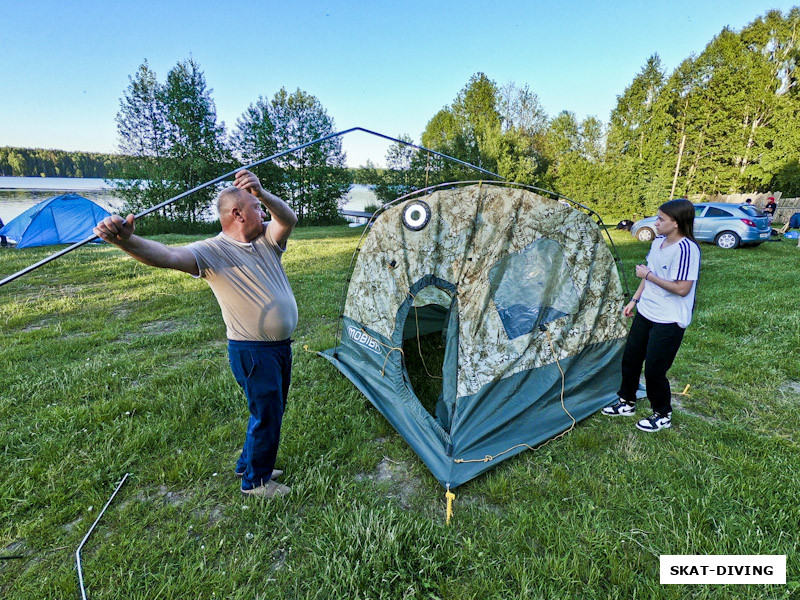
column 727, row 240
column 645, row 234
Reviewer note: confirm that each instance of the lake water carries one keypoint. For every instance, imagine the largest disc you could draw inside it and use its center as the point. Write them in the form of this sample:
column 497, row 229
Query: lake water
column 18, row 194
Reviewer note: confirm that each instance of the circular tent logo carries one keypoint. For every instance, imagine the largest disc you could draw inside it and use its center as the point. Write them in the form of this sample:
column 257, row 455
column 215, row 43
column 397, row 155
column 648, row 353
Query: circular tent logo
column 416, row 215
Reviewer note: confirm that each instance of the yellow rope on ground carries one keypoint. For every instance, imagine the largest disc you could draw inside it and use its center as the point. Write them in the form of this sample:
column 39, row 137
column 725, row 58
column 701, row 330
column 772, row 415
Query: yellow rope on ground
column 450, row 497
column 489, row 458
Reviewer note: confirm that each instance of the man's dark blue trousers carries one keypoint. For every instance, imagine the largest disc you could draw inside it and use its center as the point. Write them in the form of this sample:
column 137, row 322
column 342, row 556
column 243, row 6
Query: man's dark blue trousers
column 263, row 369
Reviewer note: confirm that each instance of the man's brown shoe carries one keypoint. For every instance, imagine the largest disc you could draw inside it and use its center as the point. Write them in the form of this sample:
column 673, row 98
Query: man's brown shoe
column 270, row 489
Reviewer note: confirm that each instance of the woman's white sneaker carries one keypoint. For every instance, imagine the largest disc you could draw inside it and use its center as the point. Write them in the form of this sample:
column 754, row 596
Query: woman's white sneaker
column 655, row 422
column 620, row 409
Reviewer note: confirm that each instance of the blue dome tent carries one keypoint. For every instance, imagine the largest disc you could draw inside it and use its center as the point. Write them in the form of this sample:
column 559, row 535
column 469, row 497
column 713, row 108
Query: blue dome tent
column 64, row 219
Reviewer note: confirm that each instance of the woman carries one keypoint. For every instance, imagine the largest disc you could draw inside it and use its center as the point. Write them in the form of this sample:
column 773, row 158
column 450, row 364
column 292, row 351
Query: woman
column 664, row 302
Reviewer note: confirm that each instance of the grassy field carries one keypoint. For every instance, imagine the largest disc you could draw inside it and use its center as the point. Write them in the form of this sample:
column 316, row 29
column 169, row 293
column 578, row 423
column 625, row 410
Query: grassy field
column 108, row 367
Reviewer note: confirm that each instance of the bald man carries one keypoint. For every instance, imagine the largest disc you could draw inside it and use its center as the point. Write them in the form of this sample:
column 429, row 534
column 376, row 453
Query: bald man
column 243, row 267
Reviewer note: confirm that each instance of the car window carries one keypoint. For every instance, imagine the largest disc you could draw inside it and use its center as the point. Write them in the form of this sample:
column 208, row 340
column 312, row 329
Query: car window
column 752, row 211
column 698, row 210
column 713, row 211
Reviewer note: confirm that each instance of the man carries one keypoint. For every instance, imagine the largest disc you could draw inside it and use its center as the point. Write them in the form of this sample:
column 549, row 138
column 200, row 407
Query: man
column 770, row 208
column 243, row 267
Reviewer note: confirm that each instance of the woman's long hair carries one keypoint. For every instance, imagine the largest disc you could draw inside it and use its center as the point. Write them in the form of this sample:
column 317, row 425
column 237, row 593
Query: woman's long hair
column 682, row 212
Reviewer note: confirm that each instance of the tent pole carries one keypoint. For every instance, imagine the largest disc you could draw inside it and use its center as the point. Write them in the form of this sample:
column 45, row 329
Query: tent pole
column 88, row 533
column 152, row 209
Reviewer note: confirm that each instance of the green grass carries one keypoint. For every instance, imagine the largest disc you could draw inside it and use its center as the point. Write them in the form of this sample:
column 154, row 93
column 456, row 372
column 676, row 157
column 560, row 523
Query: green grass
column 108, row 367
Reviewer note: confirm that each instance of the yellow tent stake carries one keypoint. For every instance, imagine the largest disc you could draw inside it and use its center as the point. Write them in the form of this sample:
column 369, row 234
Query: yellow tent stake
column 450, row 497
column 685, row 391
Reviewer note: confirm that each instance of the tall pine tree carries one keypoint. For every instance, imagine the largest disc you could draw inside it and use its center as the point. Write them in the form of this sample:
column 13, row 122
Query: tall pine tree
column 314, row 180
column 171, row 131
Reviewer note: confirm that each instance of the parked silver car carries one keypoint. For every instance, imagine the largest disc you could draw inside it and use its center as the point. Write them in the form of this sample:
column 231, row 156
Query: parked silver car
column 726, row 225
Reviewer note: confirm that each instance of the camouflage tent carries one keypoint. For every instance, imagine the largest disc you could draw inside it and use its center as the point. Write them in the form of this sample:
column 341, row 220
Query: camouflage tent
column 521, row 286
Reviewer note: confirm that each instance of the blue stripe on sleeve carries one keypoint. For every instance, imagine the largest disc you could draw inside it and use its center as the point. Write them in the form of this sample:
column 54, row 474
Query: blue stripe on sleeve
column 683, row 265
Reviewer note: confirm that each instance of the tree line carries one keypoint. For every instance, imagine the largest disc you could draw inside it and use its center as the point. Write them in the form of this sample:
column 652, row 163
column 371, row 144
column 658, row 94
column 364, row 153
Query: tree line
column 40, row 162
column 725, row 121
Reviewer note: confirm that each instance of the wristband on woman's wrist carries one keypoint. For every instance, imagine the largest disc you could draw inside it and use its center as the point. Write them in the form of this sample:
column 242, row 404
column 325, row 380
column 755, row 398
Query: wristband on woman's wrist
column 634, row 300
column 647, row 275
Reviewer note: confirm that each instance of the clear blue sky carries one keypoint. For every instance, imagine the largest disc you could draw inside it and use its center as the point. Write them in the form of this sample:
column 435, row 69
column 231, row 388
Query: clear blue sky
column 380, row 64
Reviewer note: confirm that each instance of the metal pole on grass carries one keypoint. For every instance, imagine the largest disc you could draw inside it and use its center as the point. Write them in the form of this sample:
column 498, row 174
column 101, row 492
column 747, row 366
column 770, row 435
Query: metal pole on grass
column 86, row 537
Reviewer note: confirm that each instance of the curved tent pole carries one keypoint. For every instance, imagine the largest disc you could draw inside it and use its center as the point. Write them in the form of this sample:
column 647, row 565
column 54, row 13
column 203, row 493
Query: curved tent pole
column 427, row 190
column 152, row 209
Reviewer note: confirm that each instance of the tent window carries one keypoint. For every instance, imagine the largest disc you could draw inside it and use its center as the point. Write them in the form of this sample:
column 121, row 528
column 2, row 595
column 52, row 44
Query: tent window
column 532, row 287
column 432, row 295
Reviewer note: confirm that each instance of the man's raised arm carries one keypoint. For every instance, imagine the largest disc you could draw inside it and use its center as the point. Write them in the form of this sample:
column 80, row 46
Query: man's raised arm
column 119, row 231
column 283, row 217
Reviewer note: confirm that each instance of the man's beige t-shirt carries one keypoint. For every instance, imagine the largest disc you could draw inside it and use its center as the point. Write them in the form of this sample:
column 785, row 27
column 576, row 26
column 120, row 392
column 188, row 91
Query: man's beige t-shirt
column 250, row 285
